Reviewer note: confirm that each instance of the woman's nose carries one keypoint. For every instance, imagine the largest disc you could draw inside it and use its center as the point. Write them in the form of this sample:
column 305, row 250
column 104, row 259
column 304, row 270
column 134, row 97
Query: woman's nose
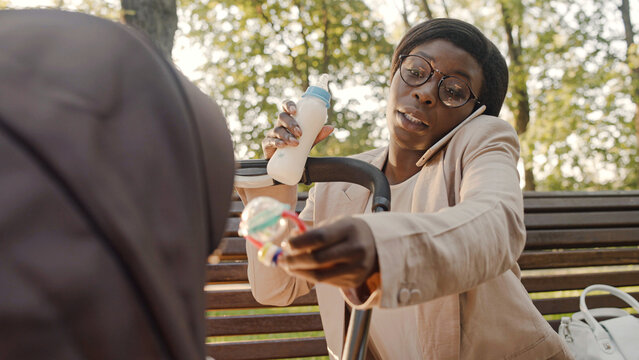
column 426, row 93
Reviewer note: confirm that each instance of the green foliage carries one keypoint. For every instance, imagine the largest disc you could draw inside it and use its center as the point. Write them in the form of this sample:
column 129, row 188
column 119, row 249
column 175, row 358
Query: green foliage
column 580, row 78
column 581, row 134
column 109, row 9
column 260, row 53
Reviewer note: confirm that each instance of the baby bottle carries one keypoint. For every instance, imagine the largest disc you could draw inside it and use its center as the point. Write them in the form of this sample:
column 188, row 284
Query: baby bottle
column 287, row 164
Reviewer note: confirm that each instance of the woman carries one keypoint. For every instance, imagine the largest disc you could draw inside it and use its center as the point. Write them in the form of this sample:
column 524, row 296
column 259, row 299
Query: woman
column 446, row 253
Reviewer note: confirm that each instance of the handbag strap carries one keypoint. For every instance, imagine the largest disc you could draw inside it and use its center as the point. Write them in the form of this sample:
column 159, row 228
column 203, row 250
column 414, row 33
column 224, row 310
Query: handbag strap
column 600, row 312
column 612, row 290
column 602, row 336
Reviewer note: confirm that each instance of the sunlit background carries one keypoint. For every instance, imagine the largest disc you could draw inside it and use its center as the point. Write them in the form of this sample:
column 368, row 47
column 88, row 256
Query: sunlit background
column 572, row 97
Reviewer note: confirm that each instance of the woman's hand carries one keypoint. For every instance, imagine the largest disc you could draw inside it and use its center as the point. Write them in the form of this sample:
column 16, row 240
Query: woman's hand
column 342, row 254
column 287, row 131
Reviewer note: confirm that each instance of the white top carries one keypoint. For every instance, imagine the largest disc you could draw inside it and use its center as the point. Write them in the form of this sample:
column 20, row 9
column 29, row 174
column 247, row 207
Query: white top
column 393, row 330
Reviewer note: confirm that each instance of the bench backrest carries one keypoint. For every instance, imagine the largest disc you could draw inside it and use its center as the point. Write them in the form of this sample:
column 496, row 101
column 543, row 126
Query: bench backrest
column 574, row 239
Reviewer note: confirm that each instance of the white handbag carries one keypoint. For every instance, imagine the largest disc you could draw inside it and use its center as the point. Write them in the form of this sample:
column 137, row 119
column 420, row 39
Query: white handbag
column 614, row 339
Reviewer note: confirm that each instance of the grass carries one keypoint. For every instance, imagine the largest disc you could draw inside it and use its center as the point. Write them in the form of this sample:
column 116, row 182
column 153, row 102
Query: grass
column 238, row 338
column 264, row 311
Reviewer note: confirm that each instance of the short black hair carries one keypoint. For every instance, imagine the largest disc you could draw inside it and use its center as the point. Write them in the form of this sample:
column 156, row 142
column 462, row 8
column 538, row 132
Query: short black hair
column 470, row 39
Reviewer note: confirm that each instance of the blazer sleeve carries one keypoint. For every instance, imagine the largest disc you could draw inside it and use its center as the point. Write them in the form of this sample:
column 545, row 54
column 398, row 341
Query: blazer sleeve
column 272, row 285
column 430, row 255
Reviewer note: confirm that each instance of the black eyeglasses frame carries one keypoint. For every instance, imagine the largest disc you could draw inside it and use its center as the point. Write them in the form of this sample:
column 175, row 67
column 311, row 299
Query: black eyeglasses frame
column 439, row 83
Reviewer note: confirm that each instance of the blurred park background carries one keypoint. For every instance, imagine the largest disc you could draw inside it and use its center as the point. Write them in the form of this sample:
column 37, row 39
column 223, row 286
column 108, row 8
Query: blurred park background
column 574, row 70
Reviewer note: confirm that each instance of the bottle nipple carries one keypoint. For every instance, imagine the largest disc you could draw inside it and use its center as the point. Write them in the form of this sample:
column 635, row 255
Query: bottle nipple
column 323, row 82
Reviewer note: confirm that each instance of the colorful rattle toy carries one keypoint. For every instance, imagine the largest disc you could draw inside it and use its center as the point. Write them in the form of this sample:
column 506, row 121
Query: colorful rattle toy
column 264, row 222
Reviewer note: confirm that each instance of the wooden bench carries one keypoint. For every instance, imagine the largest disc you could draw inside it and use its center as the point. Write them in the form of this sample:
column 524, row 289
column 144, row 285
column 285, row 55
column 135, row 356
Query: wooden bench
column 574, row 239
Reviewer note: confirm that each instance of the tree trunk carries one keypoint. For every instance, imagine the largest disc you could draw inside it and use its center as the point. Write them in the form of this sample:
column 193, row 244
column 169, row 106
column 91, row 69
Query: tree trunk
column 429, row 13
column 519, row 90
column 157, row 18
column 404, row 13
column 632, row 59
column 445, row 8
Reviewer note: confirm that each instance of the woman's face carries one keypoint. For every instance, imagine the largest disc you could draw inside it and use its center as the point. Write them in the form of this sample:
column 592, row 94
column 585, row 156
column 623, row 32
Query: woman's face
column 416, row 117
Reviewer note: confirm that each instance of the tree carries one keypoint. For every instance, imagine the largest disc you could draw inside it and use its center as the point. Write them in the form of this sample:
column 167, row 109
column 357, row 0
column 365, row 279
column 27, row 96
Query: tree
column 569, row 93
column 632, row 60
column 422, row 10
column 260, row 53
column 157, row 18
column 583, row 124
column 519, row 101
column 108, row 9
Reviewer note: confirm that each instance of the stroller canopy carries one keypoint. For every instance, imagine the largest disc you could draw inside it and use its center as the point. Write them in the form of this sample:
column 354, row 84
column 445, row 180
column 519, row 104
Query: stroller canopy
column 115, row 182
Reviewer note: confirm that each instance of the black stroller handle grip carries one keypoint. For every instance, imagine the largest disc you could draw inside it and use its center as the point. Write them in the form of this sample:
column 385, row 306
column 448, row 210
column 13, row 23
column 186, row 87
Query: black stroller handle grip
column 333, row 169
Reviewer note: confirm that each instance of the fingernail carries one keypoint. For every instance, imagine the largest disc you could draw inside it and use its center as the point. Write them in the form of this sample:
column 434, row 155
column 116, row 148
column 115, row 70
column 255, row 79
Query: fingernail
column 292, row 108
column 297, row 130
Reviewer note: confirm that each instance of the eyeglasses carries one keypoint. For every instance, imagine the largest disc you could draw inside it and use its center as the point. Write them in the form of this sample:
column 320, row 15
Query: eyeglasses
column 453, row 91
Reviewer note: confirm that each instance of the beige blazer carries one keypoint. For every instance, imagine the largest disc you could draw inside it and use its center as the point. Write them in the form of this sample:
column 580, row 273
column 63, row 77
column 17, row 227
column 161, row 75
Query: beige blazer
column 454, row 255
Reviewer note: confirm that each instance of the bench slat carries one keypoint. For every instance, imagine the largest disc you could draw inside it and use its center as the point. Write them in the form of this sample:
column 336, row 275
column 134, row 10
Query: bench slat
column 263, row 324
column 595, row 219
column 535, row 239
column 243, row 299
column 227, row 272
column 529, row 260
column 580, row 204
column 268, row 349
column 578, row 258
column 230, row 229
column 579, row 281
column 539, row 221
column 583, row 194
column 571, row 304
column 236, row 272
column 233, row 246
column 577, row 238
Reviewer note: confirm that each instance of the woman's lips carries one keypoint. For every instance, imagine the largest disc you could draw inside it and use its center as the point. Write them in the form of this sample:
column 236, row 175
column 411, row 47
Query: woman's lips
column 410, row 123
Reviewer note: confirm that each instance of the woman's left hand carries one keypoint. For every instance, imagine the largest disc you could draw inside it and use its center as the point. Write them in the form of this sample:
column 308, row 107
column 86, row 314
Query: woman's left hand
column 342, row 253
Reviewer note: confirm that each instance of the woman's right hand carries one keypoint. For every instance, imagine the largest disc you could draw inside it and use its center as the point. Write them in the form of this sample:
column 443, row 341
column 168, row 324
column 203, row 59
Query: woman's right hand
column 287, row 131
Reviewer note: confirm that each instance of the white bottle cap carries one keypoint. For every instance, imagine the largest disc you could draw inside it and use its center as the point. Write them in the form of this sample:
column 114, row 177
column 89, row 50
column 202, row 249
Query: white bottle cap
column 320, row 90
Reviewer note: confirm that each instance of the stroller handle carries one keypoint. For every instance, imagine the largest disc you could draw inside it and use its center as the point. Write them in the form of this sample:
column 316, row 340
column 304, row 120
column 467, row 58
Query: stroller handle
column 334, row 169
column 325, row 169
column 339, row 169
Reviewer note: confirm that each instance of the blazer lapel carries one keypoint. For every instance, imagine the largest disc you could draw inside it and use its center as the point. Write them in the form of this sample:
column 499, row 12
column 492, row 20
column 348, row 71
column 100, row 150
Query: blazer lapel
column 356, row 196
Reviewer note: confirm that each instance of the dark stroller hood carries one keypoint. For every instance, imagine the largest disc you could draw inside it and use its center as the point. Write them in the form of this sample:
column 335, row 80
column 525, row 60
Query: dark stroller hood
column 102, row 140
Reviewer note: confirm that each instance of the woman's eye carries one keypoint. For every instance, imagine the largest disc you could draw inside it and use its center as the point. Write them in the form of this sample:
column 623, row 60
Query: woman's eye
column 415, row 72
column 455, row 90
column 452, row 92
